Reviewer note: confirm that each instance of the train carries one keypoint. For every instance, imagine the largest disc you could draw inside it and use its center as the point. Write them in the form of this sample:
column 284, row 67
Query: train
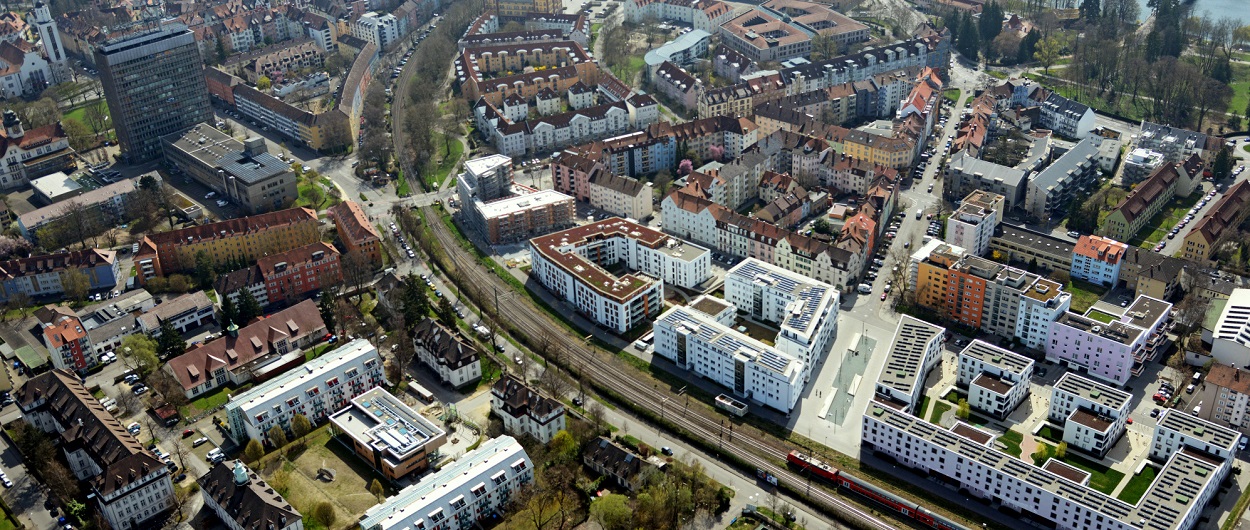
column 840, row 479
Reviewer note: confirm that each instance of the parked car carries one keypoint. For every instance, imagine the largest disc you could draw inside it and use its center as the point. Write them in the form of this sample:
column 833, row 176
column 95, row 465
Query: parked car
column 199, row 441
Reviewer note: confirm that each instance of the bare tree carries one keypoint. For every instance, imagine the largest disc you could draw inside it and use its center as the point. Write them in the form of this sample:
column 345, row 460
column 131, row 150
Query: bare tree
column 554, row 383
column 357, row 271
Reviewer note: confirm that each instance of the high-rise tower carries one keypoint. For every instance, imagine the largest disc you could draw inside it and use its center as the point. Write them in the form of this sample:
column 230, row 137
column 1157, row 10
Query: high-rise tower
column 51, row 41
column 154, row 84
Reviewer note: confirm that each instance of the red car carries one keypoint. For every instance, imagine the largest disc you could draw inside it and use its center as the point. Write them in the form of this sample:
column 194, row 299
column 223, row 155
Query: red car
column 188, row 433
column 883, row 296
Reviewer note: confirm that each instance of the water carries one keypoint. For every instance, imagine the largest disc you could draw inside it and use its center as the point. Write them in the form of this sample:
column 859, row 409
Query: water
column 1216, row 9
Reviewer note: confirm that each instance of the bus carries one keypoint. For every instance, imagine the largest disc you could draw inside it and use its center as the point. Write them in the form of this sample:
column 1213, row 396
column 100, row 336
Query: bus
column 421, row 392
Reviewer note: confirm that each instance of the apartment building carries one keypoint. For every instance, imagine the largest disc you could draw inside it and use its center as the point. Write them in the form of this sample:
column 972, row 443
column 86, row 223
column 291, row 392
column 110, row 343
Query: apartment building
column 706, row 15
column 242, row 500
column 261, row 349
column 524, row 411
column 1140, row 163
column 1064, row 116
column 284, row 277
column 1098, row 260
column 1179, row 432
column 65, row 338
column 573, row 265
column 570, row 171
column 1147, row 199
column 1044, row 302
column 677, row 85
column 914, row 351
column 927, row 271
column 805, row 310
column 1174, row 143
column 356, row 231
column 682, row 51
column 1024, row 246
column 820, row 19
column 380, row 30
column 701, row 338
column 763, row 37
column 1223, row 397
column 621, row 196
column 345, row 373
column 40, row 276
column 1093, row 415
column 184, row 313
column 243, row 238
column 387, row 434
column 1051, row 190
column 108, row 322
column 101, row 207
column 965, row 458
column 1109, row 348
column 479, row 483
column 456, row 361
column 1219, row 223
column 966, row 174
column 972, row 224
column 31, row 154
column 244, row 173
column 997, row 380
column 128, row 484
column 1230, row 337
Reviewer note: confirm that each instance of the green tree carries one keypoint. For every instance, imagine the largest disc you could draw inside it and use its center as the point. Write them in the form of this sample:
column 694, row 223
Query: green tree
column 205, row 274
column 254, row 451
column 1048, row 50
column 229, row 311
column 323, row 512
column 1061, row 450
column 1223, row 163
column 991, row 22
column 612, row 512
column 964, row 409
column 300, row 426
column 169, row 343
column 821, row 226
column 221, row 50
column 75, row 284
column 446, row 314
column 277, row 437
column 969, row 44
column 377, row 490
column 562, row 448
column 1091, row 10
column 263, row 83
column 416, row 303
column 1028, row 46
column 325, row 306
column 249, row 308
column 80, row 136
column 139, row 353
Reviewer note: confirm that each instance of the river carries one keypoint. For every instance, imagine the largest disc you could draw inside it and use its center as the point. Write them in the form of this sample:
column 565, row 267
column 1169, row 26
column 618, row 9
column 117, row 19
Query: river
column 1216, row 8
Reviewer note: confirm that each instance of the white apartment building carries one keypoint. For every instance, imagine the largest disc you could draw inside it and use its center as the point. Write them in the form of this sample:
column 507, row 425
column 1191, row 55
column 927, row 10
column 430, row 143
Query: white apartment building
column 524, row 411
column 915, row 350
column 1043, row 303
column 706, row 15
column 314, row 389
column 965, row 458
column 619, row 195
column 456, row 361
column 1180, row 431
column 997, row 380
column 1223, row 397
column 1111, row 351
column 700, row 338
column 804, row 309
column 388, row 435
column 477, row 485
column 972, row 225
column 381, row 30
column 572, row 264
column 186, row 312
column 1230, row 339
column 1092, row 415
column 128, row 483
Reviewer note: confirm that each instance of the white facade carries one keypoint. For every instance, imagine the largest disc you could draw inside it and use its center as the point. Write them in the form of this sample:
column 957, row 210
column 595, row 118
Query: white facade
column 458, row 495
column 50, row 41
column 710, row 348
column 381, row 30
column 243, row 501
column 1093, row 415
column 972, row 225
column 1179, row 430
column 314, row 389
column 621, row 196
column 570, row 264
column 916, row 349
column 524, row 411
column 1042, row 305
column 706, row 15
column 1006, row 374
column 806, row 310
column 1230, row 339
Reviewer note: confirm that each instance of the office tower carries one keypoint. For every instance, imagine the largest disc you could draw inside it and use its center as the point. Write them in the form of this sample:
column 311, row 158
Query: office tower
column 154, row 84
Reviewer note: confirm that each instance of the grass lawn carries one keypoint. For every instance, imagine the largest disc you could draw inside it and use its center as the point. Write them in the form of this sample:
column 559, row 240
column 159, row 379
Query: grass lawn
column 297, row 480
column 939, row 409
column 924, row 406
column 401, row 186
column 1241, row 88
column 778, row 518
column 211, row 400
column 951, row 95
column 1084, row 294
column 80, row 115
column 1105, row 318
column 446, row 162
column 1156, row 230
column 1101, row 478
column 627, row 71
column 1138, row 485
column 952, row 396
column 996, row 74
column 1011, row 439
column 1050, row 434
column 306, row 191
column 317, row 350
column 1234, row 517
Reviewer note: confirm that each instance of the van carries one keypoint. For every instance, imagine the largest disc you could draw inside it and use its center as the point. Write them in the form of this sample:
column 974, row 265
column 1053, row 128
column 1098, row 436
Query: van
column 919, row 213
column 1197, row 377
column 640, row 345
column 865, row 288
column 1197, row 409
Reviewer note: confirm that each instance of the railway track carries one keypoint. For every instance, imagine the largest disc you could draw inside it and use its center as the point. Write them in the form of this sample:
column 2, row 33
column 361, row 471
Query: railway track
column 534, row 322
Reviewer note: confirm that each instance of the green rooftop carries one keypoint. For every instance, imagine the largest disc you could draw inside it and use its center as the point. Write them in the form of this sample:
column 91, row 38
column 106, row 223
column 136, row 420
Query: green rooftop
column 30, row 357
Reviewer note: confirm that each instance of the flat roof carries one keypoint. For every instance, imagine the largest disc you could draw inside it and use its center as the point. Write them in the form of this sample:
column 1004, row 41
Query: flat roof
column 486, row 164
column 215, row 149
column 972, row 433
column 379, row 420
column 731, row 342
column 809, row 297
column 1199, row 429
column 993, row 384
column 1164, row 506
column 1077, row 476
column 1091, row 420
column 512, row 204
column 1146, row 312
column 710, row 305
column 1093, row 391
column 1115, row 330
column 902, row 366
column 278, row 387
column 55, row 185
column 686, row 41
column 1005, row 360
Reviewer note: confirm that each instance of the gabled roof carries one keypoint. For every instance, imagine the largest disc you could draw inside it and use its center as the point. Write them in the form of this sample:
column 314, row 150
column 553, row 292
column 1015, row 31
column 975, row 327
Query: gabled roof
column 447, row 347
column 521, row 400
column 352, row 222
column 253, row 504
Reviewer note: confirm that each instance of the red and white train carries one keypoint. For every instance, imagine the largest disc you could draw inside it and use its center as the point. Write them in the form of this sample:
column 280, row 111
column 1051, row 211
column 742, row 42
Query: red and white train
column 920, row 514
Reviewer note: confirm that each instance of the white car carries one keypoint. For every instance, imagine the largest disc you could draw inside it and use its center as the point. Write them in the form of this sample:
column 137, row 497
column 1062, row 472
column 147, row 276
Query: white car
column 199, row 441
column 210, row 195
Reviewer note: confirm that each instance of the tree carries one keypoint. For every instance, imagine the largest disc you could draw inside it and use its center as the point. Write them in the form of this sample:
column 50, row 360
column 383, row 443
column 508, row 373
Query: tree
column 58, row 478
column 336, row 63
column 169, row 343
column 415, row 301
column 230, row 312
column 964, row 410
column 1223, row 164
column 205, row 274
column 97, row 116
column 824, row 47
column 277, row 437
column 1061, row 450
column 1048, row 50
column 612, row 512
column 1091, row 10
column 357, row 271
column 664, row 179
column 300, row 426
column 139, row 354
column 821, row 226
column 1028, row 46
column 249, row 308
column 254, row 451
column 76, row 284
column 377, row 490
column 325, row 306
column 969, row 43
column 324, row 513
column 80, row 136
column 169, row 388
column 990, row 24
column 446, row 313
column 221, row 50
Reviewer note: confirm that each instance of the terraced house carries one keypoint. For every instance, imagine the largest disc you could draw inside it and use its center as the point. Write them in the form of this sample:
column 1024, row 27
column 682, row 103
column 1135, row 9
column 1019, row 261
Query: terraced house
column 1219, row 224
column 239, row 239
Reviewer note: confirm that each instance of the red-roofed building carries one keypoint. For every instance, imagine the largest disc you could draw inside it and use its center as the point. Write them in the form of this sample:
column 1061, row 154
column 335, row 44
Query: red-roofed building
column 30, row 154
column 292, row 274
column 64, row 337
column 1097, row 260
column 356, row 232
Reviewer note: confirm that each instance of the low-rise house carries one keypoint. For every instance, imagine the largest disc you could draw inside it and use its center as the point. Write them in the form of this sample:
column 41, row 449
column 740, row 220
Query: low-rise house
column 186, row 313
column 524, row 411
column 456, row 361
column 388, row 435
column 619, row 465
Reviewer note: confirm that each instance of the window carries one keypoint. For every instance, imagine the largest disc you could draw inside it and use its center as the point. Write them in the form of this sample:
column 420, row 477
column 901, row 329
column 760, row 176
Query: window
column 437, row 515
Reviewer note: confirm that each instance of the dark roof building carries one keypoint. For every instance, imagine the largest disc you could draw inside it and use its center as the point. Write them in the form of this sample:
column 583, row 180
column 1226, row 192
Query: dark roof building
column 243, row 501
column 455, row 360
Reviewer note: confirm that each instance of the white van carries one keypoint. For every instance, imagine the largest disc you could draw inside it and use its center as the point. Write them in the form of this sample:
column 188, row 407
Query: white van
column 919, row 213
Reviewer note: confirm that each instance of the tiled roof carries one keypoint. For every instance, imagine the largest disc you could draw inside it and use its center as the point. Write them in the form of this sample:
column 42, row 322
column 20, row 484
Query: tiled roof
column 252, row 503
column 1225, row 214
column 16, row 268
column 447, row 347
column 521, row 400
column 233, row 227
column 1145, row 194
